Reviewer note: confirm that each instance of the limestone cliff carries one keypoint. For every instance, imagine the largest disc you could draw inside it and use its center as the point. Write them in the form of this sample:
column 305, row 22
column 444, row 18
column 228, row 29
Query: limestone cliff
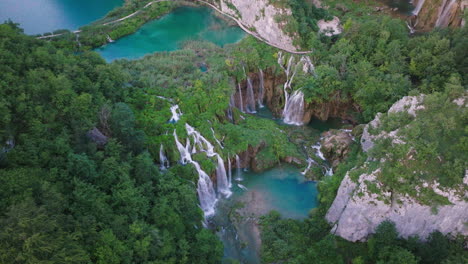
column 259, row 16
column 358, row 209
column 438, row 13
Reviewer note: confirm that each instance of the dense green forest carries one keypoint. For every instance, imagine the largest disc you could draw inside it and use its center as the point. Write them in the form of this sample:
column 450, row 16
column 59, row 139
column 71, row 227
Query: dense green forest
column 66, row 197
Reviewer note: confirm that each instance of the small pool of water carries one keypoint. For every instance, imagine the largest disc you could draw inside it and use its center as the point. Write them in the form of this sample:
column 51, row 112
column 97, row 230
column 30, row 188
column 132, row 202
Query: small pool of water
column 283, row 189
column 322, row 126
column 170, row 32
column 41, row 16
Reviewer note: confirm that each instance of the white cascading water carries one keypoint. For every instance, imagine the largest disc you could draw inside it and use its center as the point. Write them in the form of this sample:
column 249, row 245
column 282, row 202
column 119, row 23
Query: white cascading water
column 205, row 146
column 216, row 139
column 238, row 169
column 109, row 39
column 175, row 114
column 418, row 7
column 241, row 107
column 310, row 161
column 318, row 150
column 205, row 190
column 221, row 178
column 229, row 172
column 231, row 105
column 261, row 89
column 444, row 17
column 163, row 159
column 242, row 187
column 293, row 112
column 250, row 104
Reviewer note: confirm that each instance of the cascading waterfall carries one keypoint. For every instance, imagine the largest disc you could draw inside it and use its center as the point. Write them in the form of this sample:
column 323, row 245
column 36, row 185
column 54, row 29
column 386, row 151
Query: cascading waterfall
column 317, row 147
column 294, row 110
column 229, row 172
column 78, row 40
column 231, row 105
column 204, row 145
column 216, row 139
column 327, row 171
column 240, row 98
column 310, row 161
column 261, row 89
column 250, row 104
column 444, row 16
column 109, row 39
column 318, row 150
column 205, row 190
column 418, row 7
column 238, row 169
column 221, row 178
column 163, row 159
column 175, row 114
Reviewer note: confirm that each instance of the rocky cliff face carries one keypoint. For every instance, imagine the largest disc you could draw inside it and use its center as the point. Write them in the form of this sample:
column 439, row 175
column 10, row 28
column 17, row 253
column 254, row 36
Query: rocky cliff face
column 260, row 16
column 438, row 13
column 274, row 99
column 357, row 211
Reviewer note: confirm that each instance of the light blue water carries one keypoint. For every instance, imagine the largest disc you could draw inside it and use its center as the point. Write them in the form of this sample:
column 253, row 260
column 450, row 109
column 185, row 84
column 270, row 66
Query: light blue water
column 170, row 32
column 283, row 189
column 41, row 16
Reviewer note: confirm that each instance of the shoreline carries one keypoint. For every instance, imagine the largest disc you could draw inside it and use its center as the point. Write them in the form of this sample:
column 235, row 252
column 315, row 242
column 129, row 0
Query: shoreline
column 225, row 16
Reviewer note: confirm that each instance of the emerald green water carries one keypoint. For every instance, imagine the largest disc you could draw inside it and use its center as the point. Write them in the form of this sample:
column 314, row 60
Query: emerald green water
column 170, row 32
column 41, row 16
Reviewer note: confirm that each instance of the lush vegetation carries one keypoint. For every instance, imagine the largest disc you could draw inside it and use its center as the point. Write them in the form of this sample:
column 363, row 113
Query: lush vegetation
column 293, row 241
column 66, row 199
column 97, row 33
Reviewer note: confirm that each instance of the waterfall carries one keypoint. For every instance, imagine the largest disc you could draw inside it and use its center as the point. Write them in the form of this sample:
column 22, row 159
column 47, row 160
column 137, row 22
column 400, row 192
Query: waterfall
column 163, row 159
column 293, row 112
column 250, row 104
column 216, row 139
column 109, row 39
column 242, row 187
column 310, row 161
column 205, row 190
column 444, row 16
column 78, row 40
column 231, row 105
column 221, row 178
column 240, row 97
column 418, row 7
column 238, row 169
column 318, row 150
column 229, row 171
column 175, row 114
column 261, row 89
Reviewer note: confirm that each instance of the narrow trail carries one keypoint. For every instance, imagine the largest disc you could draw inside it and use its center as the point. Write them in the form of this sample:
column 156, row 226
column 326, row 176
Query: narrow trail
column 239, row 23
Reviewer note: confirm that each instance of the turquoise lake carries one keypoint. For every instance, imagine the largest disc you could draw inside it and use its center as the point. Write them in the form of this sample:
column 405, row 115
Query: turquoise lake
column 283, row 189
column 41, row 16
column 170, row 32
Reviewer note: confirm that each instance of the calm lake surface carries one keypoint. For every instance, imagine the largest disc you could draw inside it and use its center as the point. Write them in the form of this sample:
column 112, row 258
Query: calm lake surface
column 170, row 32
column 41, row 16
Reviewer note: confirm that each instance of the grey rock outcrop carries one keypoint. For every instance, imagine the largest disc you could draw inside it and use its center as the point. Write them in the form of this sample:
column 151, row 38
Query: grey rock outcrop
column 335, row 145
column 260, row 15
column 357, row 211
